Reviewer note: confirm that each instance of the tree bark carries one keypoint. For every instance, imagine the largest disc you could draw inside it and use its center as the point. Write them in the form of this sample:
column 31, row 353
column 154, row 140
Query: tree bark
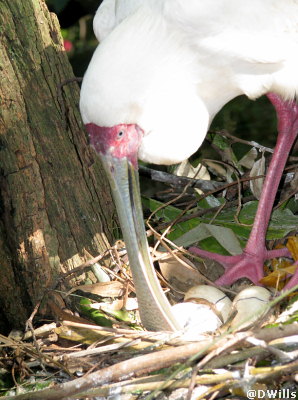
column 54, row 198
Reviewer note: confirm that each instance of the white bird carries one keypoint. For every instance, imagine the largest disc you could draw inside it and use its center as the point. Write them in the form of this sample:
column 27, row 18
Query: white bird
column 162, row 71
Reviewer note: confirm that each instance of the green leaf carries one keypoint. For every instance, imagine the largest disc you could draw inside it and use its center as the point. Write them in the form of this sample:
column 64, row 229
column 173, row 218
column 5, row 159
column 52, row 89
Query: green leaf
column 226, row 232
column 291, row 204
column 96, row 315
column 224, row 145
column 121, row 315
column 224, row 236
column 168, row 214
column 281, row 222
column 212, row 245
column 220, row 141
column 210, row 202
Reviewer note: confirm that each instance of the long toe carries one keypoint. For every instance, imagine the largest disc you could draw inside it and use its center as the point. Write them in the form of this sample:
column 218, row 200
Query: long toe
column 250, row 266
column 245, row 265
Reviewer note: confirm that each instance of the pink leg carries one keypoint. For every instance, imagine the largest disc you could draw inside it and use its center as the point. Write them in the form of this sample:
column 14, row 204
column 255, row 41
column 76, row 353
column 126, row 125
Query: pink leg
column 250, row 263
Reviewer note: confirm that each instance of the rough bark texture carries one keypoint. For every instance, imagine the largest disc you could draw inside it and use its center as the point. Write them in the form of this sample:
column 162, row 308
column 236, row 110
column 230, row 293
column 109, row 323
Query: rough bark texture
column 54, row 201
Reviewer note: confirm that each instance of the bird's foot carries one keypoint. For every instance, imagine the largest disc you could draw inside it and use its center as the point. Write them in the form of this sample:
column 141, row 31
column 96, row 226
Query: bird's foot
column 249, row 264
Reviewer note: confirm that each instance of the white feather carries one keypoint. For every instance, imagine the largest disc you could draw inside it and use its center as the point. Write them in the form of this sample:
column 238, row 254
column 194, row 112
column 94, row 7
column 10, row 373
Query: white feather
column 171, row 65
column 110, row 14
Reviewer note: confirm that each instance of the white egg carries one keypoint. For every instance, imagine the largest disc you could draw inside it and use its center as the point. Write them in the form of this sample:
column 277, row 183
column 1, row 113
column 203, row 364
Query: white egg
column 196, row 318
column 249, row 305
column 213, row 295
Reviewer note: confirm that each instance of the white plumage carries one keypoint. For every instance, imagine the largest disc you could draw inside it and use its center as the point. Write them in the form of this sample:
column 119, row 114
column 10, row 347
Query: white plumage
column 171, row 65
column 111, row 13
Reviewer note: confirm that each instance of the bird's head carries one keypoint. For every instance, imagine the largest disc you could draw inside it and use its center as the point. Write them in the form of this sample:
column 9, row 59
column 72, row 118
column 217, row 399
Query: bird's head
column 118, row 142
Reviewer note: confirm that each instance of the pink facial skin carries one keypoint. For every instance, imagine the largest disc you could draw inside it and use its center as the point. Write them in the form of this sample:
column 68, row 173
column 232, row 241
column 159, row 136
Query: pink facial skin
column 119, row 141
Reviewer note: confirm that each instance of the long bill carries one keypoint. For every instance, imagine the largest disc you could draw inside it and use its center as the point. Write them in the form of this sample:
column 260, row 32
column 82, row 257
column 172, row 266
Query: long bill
column 155, row 310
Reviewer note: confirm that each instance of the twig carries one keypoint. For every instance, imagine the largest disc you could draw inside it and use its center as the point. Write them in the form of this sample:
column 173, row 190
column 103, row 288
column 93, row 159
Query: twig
column 247, row 142
column 229, row 359
column 286, row 199
column 226, row 345
column 252, row 143
column 40, row 331
column 282, row 356
column 152, row 384
column 184, row 217
column 163, row 241
column 178, row 181
column 81, row 267
column 161, row 359
column 30, row 351
column 234, row 358
column 135, row 366
column 263, row 374
column 201, row 213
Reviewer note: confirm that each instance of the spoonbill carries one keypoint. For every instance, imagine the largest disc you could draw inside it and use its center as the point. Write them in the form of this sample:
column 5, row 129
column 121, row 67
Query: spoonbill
column 161, row 72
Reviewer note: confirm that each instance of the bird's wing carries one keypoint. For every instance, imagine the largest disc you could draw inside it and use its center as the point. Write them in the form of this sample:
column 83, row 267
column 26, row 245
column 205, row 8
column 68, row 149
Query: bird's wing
column 261, row 31
column 110, row 13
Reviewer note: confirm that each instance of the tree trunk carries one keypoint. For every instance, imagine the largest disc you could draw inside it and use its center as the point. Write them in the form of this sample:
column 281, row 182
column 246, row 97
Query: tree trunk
column 55, row 201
